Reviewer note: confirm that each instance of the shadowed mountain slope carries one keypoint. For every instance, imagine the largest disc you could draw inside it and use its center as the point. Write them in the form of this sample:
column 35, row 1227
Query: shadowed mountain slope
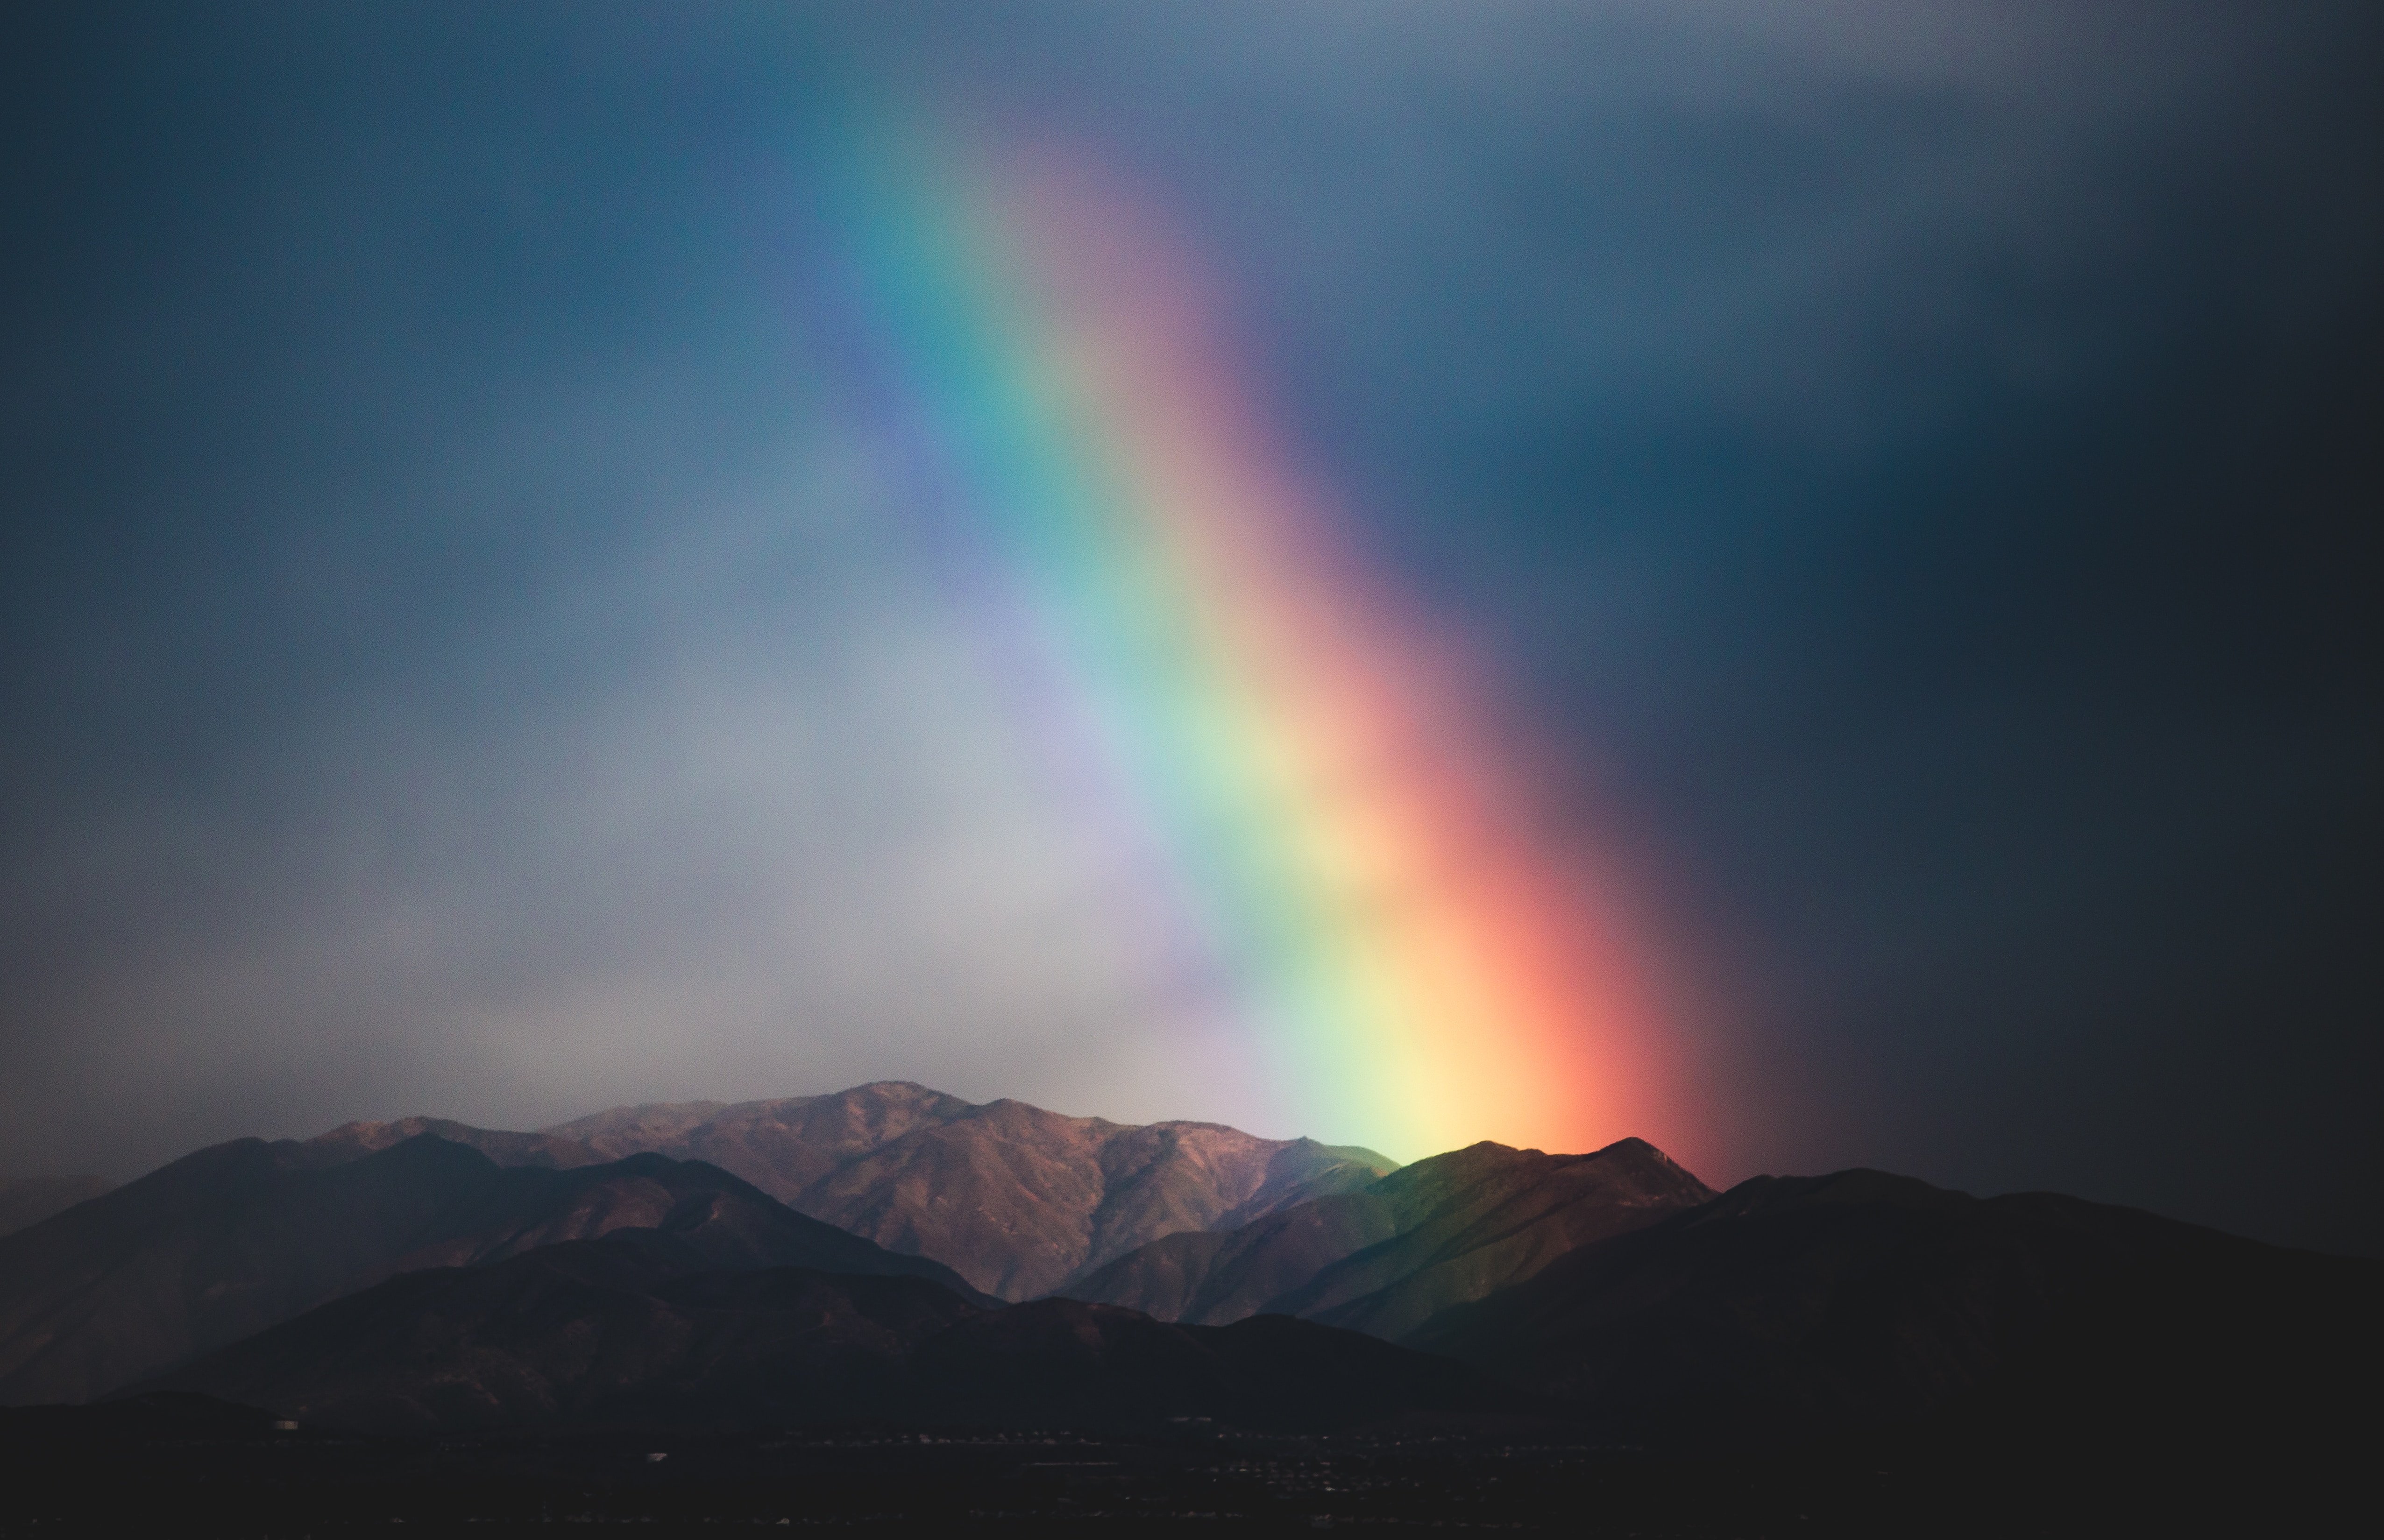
column 628, row 1325
column 1016, row 1198
column 236, row 1238
column 1384, row 1259
column 354, row 1140
column 33, row 1199
column 630, row 1329
column 1790, row 1307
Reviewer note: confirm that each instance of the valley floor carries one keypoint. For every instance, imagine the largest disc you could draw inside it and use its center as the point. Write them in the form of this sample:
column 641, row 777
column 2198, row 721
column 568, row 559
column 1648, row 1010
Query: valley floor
column 63, row 1479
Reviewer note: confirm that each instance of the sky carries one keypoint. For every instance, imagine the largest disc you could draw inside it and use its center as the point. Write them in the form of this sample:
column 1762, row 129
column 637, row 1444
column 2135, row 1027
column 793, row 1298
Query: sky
column 1873, row 506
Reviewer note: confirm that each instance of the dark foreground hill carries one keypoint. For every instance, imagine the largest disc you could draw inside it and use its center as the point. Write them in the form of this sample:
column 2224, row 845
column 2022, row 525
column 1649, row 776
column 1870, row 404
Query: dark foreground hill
column 234, row 1239
column 1385, row 1258
column 640, row 1329
column 1791, row 1308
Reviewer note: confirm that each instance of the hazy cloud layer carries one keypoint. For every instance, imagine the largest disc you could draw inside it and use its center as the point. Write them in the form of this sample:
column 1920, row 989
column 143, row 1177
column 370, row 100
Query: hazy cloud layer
column 1915, row 462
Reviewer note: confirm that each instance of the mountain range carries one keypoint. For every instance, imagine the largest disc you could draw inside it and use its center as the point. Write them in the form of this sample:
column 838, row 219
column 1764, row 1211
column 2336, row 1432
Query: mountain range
column 941, row 1261
column 1025, row 1199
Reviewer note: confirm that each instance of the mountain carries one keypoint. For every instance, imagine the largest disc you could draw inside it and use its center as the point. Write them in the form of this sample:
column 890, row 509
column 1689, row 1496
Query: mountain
column 1385, row 1258
column 1790, row 1307
column 631, row 1329
column 234, row 1239
column 578, row 1329
column 1018, row 1200
column 30, row 1199
column 353, row 1141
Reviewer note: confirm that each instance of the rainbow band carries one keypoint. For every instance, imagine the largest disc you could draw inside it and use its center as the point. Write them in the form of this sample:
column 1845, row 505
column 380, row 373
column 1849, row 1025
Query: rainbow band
column 1348, row 842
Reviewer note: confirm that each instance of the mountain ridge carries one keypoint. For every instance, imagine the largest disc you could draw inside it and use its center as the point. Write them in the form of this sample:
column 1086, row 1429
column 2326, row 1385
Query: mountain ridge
column 1016, row 1198
column 1384, row 1258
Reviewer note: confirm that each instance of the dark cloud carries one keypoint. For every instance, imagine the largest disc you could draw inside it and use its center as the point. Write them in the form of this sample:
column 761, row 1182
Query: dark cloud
column 1916, row 463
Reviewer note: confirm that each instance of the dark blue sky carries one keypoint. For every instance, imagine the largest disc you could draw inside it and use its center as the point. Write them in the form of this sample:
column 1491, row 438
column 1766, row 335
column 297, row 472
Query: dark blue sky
column 1917, row 463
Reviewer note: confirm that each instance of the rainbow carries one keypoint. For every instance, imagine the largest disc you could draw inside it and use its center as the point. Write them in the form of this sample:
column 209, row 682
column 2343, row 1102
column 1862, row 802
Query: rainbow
column 1347, row 838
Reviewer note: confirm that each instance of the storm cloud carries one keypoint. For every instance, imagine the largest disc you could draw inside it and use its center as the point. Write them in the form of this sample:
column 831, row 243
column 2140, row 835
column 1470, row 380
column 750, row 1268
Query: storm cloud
column 1913, row 465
